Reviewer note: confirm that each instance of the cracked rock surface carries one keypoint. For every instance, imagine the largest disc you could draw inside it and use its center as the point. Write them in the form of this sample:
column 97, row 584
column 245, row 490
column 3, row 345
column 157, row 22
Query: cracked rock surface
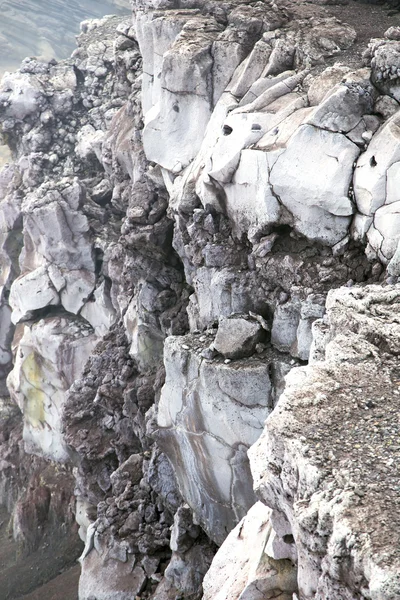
column 199, row 257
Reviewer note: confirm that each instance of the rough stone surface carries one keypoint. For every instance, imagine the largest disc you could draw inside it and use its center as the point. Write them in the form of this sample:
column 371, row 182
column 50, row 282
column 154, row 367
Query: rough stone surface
column 237, row 337
column 256, row 575
column 185, row 192
column 334, row 468
column 209, row 414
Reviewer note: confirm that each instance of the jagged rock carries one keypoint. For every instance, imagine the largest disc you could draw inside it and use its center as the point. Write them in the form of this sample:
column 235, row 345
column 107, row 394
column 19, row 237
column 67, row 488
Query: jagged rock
column 385, row 64
column 231, row 402
column 292, row 324
column 256, row 575
column 51, row 355
column 334, row 480
column 237, row 337
column 110, row 578
column 314, row 186
column 220, row 179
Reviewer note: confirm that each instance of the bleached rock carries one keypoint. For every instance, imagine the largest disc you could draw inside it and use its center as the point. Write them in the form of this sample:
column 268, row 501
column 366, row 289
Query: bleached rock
column 51, row 355
column 373, row 165
column 99, row 311
column 237, row 337
column 110, row 577
column 292, row 325
column 23, row 95
column 250, row 202
column 255, row 575
column 327, row 482
column 250, row 70
column 239, row 131
column 325, row 83
column 89, row 142
column 230, row 402
column 32, row 292
column 183, row 108
column 314, row 186
column 219, row 293
column 343, row 109
column 385, row 64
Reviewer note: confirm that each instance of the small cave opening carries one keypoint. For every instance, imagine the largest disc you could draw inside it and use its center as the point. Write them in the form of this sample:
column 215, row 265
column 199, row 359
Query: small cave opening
column 288, row 538
column 98, row 260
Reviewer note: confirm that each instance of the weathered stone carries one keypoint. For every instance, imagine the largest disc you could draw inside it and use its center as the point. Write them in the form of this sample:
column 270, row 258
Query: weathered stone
column 230, row 402
column 256, row 575
column 325, row 499
column 314, row 186
column 51, row 355
column 237, row 337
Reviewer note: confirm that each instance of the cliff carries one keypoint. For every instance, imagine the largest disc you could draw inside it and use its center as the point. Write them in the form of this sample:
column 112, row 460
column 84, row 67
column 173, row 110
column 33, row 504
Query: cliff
column 199, row 303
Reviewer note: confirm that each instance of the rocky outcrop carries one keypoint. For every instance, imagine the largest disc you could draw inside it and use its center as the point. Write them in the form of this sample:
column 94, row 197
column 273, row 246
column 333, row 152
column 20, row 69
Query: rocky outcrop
column 326, row 462
column 187, row 191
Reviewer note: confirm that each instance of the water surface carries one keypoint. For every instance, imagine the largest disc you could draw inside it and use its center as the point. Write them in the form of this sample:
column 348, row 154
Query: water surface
column 46, row 28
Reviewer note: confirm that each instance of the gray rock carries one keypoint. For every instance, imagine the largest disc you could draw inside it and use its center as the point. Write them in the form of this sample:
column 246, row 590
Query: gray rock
column 237, row 337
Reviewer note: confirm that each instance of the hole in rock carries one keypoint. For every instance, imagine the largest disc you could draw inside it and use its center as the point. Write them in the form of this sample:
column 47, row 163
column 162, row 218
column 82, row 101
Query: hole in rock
column 256, row 127
column 288, row 538
column 226, row 130
column 99, row 257
column 372, row 161
column 175, row 108
column 282, row 229
column 79, row 75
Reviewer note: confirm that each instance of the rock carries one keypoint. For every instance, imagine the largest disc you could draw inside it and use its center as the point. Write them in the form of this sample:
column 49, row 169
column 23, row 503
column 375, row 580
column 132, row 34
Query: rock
column 51, row 355
column 325, row 83
column 252, row 208
column 231, row 402
column 340, row 496
column 32, row 292
column 237, row 337
column 256, row 575
column 184, row 531
column 343, row 108
column 202, row 165
column 111, row 577
column 314, row 186
column 371, row 168
column 384, row 65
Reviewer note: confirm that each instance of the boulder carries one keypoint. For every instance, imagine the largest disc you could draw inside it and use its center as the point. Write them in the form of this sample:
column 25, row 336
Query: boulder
column 237, row 337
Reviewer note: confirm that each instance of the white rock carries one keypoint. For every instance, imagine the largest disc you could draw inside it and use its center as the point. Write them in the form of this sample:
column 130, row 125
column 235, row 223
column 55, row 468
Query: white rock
column 23, row 94
column 314, row 185
column 180, row 119
column 342, row 110
column 31, row 292
column 238, row 132
column 255, row 576
column 79, row 284
column 51, row 356
column 89, row 142
column 250, row 203
column 373, row 165
column 208, row 415
column 99, row 311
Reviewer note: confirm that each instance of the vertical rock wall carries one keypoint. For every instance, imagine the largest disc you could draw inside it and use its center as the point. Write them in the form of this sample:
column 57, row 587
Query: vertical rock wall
column 186, row 191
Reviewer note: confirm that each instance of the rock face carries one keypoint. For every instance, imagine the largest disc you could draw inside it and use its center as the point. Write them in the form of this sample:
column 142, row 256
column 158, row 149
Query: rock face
column 326, row 462
column 202, row 201
column 256, row 574
column 209, row 414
